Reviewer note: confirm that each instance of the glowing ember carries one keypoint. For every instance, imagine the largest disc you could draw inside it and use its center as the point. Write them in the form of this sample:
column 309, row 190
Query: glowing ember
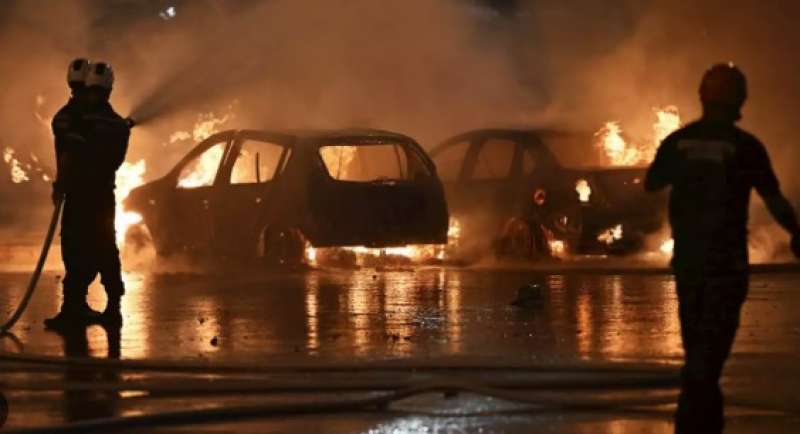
column 610, row 235
column 583, row 190
column 621, row 152
column 18, row 173
column 667, row 246
column 129, row 176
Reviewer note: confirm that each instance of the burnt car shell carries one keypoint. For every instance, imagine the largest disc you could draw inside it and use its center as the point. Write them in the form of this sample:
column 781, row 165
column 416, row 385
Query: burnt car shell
column 508, row 178
column 233, row 211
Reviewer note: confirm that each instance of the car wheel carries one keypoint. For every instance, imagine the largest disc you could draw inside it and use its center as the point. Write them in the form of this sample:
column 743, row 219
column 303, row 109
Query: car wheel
column 520, row 240
column 283, row 247
column 567, row 226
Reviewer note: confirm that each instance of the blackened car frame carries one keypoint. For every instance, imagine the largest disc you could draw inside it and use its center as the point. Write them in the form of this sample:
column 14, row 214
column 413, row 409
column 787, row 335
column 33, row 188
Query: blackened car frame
column 261, row 194
column 510, row 193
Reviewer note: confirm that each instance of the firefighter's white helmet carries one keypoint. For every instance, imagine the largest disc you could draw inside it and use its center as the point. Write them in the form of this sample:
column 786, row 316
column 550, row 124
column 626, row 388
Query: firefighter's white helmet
column 100, row 75
column 78, row 71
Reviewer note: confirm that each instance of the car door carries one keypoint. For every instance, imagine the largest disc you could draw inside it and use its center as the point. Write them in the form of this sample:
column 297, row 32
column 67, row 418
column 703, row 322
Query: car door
column 195, row 192
column 451, row 159
column 247, row 184
column 407, row 202
column 366, row 195
column 492, row 178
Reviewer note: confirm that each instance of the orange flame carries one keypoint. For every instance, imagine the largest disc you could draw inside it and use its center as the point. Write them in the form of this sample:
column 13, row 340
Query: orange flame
column 412, row 253
column 584, row 190
column 619, row 151
column 129, row 176
column 18, row 172
column 610, row 235
column 667, row 246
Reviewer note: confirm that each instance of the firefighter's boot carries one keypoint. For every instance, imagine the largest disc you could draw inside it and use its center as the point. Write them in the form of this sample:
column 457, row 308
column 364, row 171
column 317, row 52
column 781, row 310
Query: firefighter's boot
column 112, row 316
column 73, row 314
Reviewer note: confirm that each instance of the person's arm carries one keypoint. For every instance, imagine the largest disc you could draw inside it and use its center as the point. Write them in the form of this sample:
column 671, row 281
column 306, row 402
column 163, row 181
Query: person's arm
column 768, row 187
column 659, row 174
column 783, row 212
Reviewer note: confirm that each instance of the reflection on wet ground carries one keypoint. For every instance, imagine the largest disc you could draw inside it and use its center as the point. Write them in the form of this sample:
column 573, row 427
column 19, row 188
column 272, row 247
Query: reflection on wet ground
column 346, row 315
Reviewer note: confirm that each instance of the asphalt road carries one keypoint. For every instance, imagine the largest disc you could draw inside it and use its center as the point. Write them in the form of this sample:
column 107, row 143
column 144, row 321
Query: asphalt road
column 415, row 317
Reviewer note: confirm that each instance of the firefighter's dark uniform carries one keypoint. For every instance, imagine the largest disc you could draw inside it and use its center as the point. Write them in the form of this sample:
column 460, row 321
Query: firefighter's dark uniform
column 712, row 167
column 96, row 141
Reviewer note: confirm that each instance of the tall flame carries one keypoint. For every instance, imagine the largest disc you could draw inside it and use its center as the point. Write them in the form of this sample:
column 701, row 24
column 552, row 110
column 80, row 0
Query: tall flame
column 204, row 169
column 129, row 176
column 620, row 151
column 668, row 121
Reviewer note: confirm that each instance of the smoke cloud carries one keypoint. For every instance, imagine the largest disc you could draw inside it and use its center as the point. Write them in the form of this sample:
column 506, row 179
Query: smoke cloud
column 429, row 69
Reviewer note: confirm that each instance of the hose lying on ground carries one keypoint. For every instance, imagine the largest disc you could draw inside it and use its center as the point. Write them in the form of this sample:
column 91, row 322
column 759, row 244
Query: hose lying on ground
column 338, row 405
column 443, row 364
column 37, row 272
column 183, row 387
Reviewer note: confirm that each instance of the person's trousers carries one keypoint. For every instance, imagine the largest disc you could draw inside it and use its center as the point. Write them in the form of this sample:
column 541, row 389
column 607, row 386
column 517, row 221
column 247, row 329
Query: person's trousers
column 89, row 247
column 709, row 308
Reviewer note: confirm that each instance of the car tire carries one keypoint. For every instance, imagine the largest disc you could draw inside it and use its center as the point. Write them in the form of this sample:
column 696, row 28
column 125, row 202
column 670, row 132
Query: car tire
column 283, row 247
column 567, row 225
column 521, row 240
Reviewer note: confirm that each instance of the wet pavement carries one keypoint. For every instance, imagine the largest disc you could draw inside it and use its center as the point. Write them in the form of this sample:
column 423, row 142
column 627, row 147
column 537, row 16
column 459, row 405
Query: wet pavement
column 442, row 316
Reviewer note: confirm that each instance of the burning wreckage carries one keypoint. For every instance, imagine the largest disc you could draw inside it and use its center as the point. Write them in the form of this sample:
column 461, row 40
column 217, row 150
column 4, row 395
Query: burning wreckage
column 370, row 197
column 511, row 194
column 279, row 196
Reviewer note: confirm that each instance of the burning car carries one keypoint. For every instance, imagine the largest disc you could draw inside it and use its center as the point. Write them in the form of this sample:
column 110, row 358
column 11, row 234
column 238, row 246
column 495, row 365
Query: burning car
column 509, row 192
column 246, row 194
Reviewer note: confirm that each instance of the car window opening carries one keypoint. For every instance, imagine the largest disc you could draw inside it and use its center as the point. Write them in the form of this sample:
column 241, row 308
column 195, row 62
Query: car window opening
column 371, row 163
column 257, row 162
column 450, row 161
column 495, row 159
column 202, row 170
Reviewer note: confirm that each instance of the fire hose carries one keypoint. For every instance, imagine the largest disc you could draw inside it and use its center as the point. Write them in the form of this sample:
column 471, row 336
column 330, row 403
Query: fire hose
column 372, row 394
column 37, row 272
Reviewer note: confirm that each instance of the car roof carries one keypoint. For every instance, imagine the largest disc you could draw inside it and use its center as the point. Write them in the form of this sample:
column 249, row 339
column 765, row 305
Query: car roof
column 542, row 133
column 317, row 135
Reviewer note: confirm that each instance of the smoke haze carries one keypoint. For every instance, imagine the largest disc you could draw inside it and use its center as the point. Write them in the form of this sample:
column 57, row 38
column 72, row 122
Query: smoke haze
column 426, row 68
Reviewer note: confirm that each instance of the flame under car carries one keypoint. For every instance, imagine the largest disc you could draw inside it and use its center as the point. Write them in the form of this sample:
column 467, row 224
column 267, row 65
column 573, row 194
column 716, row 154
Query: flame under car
column 261, row 194
column 512, row 195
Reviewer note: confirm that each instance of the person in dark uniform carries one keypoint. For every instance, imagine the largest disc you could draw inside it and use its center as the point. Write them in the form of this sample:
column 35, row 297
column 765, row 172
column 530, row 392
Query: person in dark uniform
column 712, row 166
column 91, row 142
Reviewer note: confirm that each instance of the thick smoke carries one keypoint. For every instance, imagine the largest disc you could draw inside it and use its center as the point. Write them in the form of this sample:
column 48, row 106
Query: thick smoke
column 427, row 68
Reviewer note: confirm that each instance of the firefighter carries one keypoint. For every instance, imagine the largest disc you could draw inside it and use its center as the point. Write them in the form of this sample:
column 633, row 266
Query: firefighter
column 711, row 167
column 91, row 142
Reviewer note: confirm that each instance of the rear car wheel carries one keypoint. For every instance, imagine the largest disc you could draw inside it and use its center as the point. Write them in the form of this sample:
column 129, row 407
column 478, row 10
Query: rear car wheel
column 520, row 240
column 283, row 247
